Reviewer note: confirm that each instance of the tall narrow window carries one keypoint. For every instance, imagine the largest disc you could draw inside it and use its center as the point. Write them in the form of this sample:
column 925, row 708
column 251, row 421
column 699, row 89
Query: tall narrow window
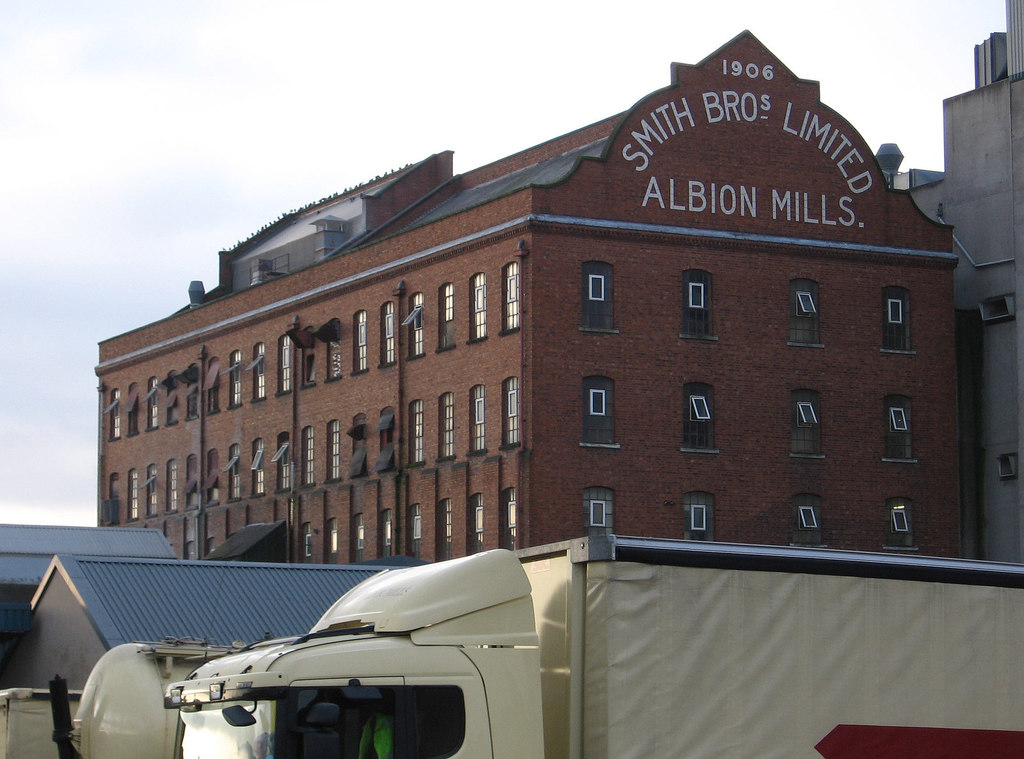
column 805, row 434
column 332, row 539
column 478, row 416
column 192, row 481
column 897, row 422
column 306, row 530
column 308, row 457
column 895, row 321
column 387, row 533
column 152, row 403
column 211, row 384
column 150, row 487
column 386, row 428
column 698, row 424
column 212, row 483
column 171, row 399
column 171, row 485
column 444, row 529
column 414, row 323
column 510, row 411
column 510, row 315
column 699, row 509
column 334, row 450
column 131, row 408
column 597, row 295
column 598, row 426
column 259, row 481
column 899, row 525
column 416, row 432
column 803, row 312
column 510, row 518
column 446, row 425
column 234, row 371
column 359, row 356
column 113, row 409
column 234, row 472
column 478, row 307
column 415, row 530
column 357, row 464
column 282, row 458
column 387, row 333
column 358, row 537
column 112, row 506
column 284, row 364
column 475, row 518
column 806, row 519
column 446, row 316
column 597, row 507
column 133, row 494
column 696, row 303
column 258, row 367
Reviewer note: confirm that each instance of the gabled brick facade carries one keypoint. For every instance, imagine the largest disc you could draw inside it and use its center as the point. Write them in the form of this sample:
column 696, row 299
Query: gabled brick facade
column 707, row 318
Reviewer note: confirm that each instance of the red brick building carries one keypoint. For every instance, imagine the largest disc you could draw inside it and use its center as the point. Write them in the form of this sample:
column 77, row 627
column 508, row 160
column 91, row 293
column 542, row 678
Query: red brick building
column 707, row 317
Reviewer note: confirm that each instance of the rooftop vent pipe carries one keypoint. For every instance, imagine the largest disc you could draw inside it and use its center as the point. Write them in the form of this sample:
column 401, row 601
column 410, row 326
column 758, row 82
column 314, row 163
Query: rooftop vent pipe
column 196, row 293
column 889, row 159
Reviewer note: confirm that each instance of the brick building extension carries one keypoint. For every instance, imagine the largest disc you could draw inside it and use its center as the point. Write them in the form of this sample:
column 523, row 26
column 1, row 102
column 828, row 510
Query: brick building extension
column 707, row 317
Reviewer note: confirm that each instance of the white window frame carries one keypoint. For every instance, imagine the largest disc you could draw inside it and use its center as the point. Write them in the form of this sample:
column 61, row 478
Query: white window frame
column 697, row 295
column 698, row 517
column 898, row 421
column 598, row 512
column 512, row 287
column 281, row 455
column 894, row 312
column 700, row 411
column 900, row 520
column 480, row 298
column 807, row 415
column 805, row 305
column 808, row 518
column 1007, row 463
column 598, row 402
column 596, row 287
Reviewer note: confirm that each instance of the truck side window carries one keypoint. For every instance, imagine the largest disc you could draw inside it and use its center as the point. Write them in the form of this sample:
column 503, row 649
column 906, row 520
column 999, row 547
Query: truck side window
column 421, row 722
column 440, row 721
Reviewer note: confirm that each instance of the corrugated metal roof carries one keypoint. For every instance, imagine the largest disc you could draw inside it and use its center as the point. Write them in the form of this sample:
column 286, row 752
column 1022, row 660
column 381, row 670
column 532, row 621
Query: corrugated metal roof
column 46, row 540
column 149, row 599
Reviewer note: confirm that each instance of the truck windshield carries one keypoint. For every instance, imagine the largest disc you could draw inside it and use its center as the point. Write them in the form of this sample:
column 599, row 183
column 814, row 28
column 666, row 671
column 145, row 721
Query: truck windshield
column 331, row 722
column 209, row 735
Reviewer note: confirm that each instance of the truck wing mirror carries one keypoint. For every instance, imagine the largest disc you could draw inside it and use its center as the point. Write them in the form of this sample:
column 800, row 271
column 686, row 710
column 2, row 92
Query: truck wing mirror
column 238, row 716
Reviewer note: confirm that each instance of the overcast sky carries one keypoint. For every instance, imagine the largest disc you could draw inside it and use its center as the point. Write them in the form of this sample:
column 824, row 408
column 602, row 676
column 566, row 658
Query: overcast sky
column 137, row 139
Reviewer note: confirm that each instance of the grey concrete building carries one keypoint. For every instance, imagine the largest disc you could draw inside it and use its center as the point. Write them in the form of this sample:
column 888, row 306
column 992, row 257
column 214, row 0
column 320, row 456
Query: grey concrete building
column 982, row 195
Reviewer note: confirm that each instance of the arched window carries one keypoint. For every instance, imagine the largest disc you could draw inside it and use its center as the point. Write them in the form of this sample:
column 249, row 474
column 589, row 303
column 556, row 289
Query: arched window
column 478, row 307
column 597, row 296
column 696, row 303
column 698, row 419
column 700, row 515
column 803, row 312
column 598, row 421
column 510, row 303
column 597, row 508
